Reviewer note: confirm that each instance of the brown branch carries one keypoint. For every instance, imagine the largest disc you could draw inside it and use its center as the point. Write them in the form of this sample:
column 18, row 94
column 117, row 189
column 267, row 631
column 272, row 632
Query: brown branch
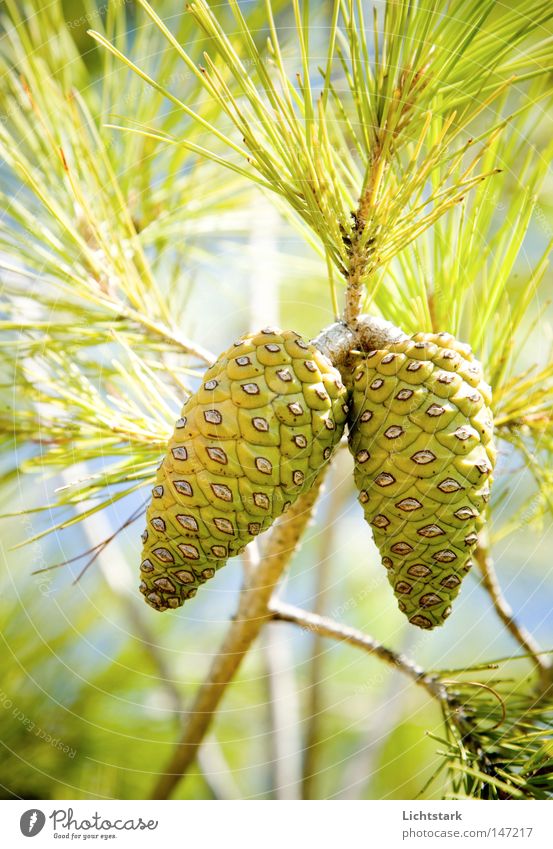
column 283, row 738
column 504, row 611
column 213, row 764
column 386, row 715
column 353, row 636
column 356, row 274
column 361, row 246
column 315, row 692
column 279, row 678
column 253, row 613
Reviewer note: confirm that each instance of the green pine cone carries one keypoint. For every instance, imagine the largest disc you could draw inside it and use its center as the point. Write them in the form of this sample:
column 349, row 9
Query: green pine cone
column 421, row 433
column 247, row 444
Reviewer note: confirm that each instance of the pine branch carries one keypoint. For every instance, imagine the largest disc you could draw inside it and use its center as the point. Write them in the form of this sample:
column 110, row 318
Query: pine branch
column 283, row 697
column 498, row 738
column 491, row 727
column 279, row 678
column 344, row 633
column 373, row 157
column 253, row 612
column 322, row 592
column 213, row 764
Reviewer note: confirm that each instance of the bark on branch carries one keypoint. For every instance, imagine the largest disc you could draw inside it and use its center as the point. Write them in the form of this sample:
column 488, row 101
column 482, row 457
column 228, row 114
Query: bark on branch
column 338, row 340
column 353, row 636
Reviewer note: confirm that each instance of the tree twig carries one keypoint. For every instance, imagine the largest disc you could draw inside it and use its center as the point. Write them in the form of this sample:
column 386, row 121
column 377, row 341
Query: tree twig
column 504, row 611
column 283, row 703
column 385, row 717
column 371, row 331
column 213, row 764
column 327, row 627
column 311, row 746
column 284, row 754
column 362, row 248
column 253, row 613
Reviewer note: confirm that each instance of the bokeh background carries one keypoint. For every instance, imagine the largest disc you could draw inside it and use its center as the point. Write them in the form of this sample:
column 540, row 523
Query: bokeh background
column 93, row 683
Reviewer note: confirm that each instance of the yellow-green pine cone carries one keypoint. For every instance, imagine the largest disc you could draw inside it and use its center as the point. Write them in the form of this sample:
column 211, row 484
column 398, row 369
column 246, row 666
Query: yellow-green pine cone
column 421, row 433
column 247, row 444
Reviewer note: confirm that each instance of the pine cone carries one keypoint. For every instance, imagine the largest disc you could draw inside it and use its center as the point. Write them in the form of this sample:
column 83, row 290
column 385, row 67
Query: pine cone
column 421, row 433
column 247, row 444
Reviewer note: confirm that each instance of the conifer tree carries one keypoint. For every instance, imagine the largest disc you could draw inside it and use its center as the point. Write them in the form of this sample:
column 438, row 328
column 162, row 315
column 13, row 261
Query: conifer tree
column 405, row 147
